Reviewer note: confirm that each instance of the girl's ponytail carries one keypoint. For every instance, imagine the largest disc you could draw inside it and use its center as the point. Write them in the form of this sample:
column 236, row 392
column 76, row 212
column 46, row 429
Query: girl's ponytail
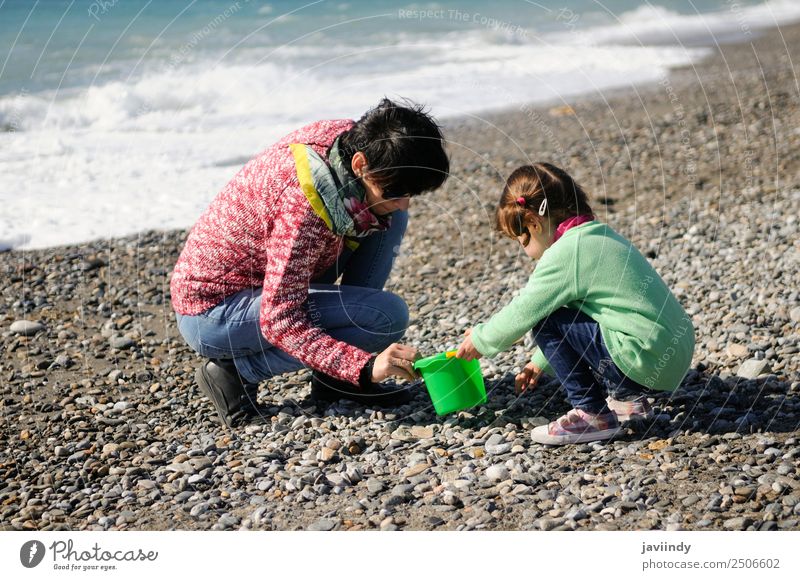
column 540, row 191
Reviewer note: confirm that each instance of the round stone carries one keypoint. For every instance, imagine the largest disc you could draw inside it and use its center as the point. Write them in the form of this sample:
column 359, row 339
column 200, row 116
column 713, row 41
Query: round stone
column 497, row 473
column 26, row 327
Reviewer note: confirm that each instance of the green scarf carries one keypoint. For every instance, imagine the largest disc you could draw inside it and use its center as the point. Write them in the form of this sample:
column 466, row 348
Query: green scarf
column 335, row 195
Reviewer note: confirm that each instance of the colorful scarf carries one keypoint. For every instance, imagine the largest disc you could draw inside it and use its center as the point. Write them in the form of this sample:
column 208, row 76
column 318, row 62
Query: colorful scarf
column 335, row 195
column 571, row 223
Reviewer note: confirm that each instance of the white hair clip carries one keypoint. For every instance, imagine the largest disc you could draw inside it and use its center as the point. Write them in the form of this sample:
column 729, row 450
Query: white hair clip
column 543, row 207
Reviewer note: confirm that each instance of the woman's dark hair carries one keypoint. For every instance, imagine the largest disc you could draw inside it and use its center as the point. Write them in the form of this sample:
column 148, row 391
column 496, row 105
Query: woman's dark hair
column 403, row 145
column 532, row 184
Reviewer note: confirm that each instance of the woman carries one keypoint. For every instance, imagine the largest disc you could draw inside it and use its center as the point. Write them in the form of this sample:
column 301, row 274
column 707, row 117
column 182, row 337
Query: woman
column 253, row 288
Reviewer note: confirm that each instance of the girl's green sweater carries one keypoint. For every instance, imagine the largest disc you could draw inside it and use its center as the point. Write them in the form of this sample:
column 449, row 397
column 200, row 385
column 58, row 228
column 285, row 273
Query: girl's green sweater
column 594, row 269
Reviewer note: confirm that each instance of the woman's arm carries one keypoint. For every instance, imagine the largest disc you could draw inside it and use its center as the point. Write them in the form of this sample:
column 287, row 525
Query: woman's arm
column 295, row 241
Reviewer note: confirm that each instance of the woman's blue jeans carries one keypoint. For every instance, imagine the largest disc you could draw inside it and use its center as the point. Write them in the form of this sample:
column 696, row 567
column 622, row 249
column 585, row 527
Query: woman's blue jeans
column 573, row 345
column 358, row 312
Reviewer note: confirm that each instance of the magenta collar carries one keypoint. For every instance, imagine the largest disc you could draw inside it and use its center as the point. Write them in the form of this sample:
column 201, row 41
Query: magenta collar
column 571, row 223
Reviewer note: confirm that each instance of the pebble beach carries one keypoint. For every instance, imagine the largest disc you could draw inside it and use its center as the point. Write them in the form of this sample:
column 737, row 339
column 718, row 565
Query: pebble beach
column 103, row 427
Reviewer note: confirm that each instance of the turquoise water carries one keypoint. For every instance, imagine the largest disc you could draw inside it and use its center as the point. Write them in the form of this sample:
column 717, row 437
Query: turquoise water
column 51, row 43
column 122, row 116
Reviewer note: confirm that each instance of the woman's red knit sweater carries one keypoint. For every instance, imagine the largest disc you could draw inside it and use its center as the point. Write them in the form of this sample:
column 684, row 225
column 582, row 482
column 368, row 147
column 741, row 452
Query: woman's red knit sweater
column 260, row 230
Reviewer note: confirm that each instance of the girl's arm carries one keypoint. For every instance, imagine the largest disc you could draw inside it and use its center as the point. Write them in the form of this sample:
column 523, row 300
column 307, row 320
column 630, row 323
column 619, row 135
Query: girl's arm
column 551, row 286
column 467, row 350
column 540, row 361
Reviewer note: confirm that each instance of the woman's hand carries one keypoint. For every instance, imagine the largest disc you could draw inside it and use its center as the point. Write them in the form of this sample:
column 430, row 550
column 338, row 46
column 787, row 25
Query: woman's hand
column 467, row 350
column 527, row 379
column 396, row 361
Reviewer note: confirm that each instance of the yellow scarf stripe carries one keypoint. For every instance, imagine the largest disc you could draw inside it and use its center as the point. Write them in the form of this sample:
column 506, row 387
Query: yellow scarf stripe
column 351, row 243
column 307, row 183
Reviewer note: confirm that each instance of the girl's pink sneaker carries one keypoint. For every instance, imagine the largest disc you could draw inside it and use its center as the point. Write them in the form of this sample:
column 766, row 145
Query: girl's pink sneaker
column 577, row 426
column 628, row 410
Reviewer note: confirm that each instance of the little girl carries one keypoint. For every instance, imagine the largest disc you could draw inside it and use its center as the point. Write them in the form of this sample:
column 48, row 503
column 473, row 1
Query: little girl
column 604, row 321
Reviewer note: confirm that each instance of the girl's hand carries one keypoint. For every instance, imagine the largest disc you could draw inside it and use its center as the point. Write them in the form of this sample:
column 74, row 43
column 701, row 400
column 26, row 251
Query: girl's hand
column 467, row 350
column 527, row 379
column 396, row 361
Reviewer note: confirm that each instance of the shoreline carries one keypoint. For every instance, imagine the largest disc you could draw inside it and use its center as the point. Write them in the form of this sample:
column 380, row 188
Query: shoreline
column 538, row 109
column 704, row 178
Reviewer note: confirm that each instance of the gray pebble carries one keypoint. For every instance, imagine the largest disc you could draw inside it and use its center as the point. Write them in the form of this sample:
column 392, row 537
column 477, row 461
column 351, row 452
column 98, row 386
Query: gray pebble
column 26, row 327
column 547, row 524
column 752, row 368
column 497, row 445
column 228, row 521
column 497, row 473
column 739, row 523
column 323, row 525
column 121, row 342
column 375, row 486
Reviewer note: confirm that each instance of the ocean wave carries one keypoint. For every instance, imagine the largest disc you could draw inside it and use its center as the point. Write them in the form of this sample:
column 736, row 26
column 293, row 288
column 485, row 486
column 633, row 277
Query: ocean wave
column 183, row 128
column 191, row 98
column 651, row 24
column 452, row 73
column 295, row 82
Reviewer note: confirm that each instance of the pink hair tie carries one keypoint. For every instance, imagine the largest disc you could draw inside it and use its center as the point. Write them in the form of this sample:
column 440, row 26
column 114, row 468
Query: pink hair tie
column 521, row 200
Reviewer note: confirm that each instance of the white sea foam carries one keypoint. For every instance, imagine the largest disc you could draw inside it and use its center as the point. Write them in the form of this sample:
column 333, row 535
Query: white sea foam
column 651, row 24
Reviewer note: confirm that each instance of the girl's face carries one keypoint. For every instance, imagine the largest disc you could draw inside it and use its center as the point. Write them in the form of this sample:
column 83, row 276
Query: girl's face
column 539, row 239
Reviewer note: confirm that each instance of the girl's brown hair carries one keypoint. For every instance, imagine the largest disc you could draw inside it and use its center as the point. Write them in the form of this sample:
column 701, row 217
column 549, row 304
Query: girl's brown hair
column 533, row 184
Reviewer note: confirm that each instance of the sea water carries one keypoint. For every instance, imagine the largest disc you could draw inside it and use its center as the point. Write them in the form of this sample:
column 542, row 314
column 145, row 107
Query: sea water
column 118, row 116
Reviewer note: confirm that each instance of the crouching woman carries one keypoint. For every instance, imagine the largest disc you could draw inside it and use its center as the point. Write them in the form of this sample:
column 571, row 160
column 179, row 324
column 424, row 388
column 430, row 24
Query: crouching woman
column 254, row 288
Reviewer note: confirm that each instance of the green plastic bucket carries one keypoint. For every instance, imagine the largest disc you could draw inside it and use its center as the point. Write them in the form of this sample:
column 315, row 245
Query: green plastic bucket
column 453, row 384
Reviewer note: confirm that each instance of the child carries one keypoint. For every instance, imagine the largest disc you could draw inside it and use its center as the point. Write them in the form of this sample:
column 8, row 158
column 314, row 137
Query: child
column 604, row 321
